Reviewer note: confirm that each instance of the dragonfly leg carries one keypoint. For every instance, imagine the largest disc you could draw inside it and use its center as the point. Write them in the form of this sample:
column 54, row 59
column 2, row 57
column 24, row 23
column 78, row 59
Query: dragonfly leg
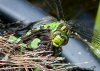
column 57, row 50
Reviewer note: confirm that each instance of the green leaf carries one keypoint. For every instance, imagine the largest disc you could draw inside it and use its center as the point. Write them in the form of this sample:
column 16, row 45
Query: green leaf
column 30, row 46
column 18, row 39
column 97, row 26
column 34, row 43
column 37, row 69
column 12, row 38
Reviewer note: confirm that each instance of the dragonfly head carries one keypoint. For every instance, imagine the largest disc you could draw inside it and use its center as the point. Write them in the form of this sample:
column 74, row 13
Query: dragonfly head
column 59, row 38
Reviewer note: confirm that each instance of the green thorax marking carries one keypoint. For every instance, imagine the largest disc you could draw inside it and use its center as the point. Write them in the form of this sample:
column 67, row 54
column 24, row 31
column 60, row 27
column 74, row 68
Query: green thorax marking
column 53, row 26
column 63, row 27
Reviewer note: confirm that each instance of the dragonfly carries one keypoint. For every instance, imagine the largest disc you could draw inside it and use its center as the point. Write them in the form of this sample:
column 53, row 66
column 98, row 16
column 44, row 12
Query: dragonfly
column 62, row 30
column 61, row 33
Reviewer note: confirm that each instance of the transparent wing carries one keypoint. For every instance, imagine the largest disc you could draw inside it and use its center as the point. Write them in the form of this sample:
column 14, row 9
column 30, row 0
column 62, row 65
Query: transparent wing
column 85, row 30
column 57, row 8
